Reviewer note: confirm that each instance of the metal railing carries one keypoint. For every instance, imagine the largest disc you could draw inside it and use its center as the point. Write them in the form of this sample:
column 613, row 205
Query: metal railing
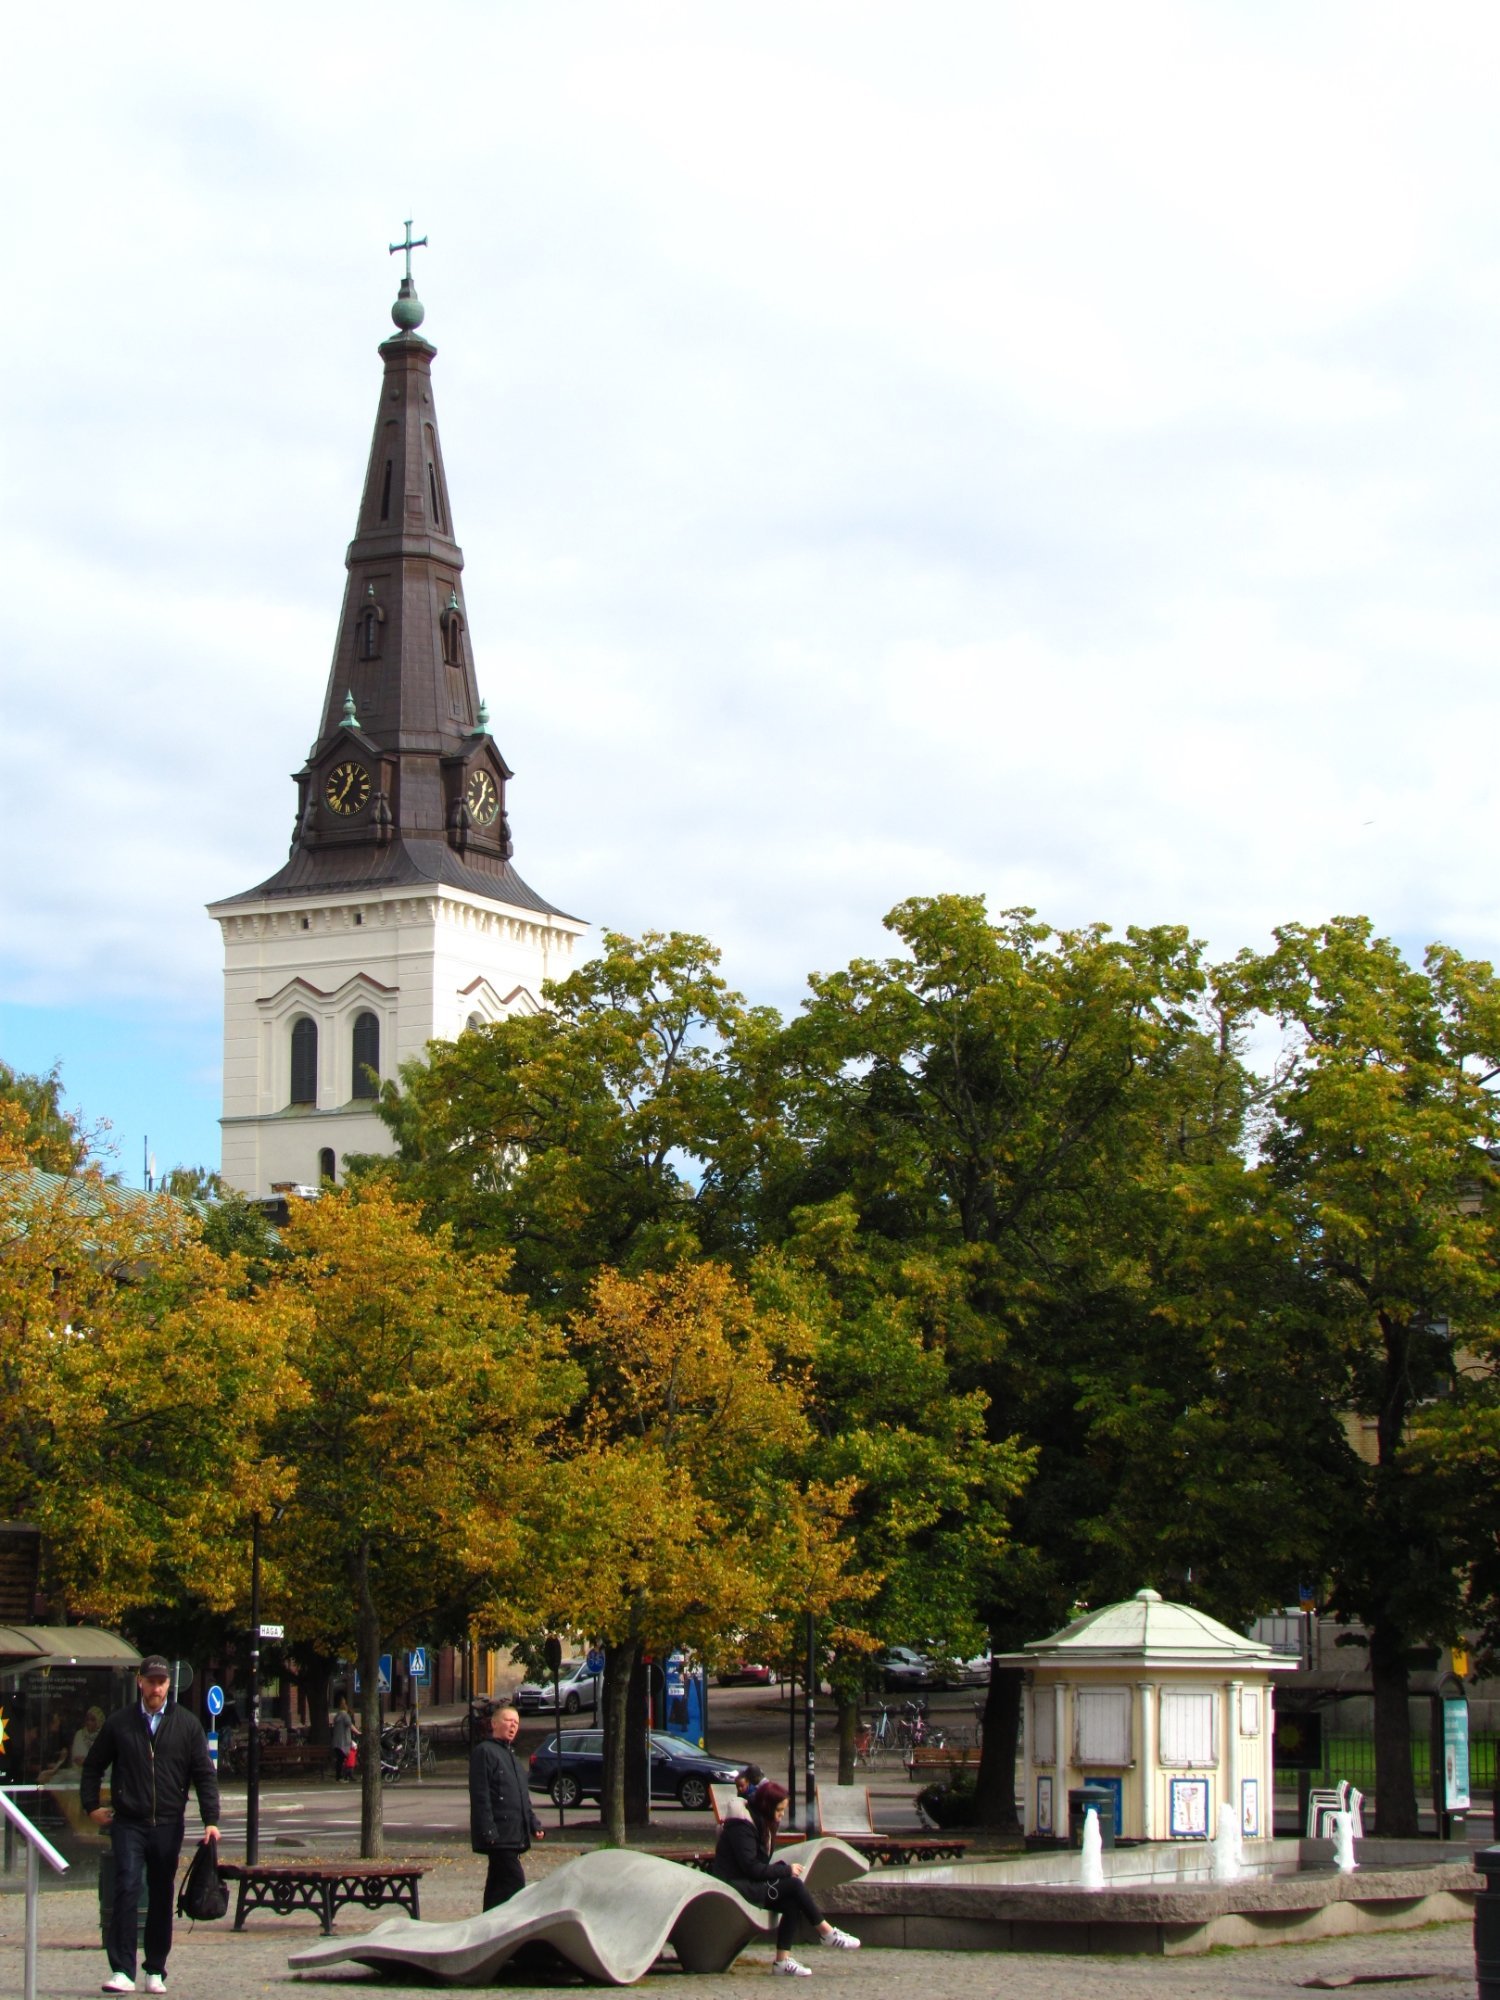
column 38, row 1849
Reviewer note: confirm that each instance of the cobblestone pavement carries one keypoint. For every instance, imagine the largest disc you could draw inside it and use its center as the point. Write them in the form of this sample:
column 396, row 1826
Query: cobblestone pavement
column 212, row 1962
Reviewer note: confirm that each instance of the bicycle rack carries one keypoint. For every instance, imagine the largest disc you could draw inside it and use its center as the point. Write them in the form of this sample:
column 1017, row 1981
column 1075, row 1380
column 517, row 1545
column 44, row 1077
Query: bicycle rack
column 37, row 1847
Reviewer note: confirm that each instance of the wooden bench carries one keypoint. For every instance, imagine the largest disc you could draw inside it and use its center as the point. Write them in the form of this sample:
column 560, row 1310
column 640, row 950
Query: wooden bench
column 940, row 1760
column 324, row 1887
column 845, row 1812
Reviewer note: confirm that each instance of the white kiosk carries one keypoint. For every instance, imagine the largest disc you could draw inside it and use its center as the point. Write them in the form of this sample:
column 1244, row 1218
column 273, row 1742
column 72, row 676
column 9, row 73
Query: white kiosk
column 1158, row 1704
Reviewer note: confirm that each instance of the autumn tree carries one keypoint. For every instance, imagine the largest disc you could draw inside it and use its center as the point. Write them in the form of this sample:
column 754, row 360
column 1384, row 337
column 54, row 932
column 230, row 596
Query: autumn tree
column 680, row 1485
column 39, row 1130
column 419, row 1447
column 139, row 1380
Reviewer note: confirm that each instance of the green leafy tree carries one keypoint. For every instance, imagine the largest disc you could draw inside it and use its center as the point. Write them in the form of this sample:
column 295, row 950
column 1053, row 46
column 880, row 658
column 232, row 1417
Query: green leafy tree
column 924, row 1536
column 1379, row 1154
column 592, row 1136
column 1031, row 1123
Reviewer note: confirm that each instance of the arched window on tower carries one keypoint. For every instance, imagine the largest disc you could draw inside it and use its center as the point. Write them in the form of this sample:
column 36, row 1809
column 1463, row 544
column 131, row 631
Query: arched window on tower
column 453, row 636
column 366, row 1056
column 370, row 621
column 304, row 1061
column 328, row 1166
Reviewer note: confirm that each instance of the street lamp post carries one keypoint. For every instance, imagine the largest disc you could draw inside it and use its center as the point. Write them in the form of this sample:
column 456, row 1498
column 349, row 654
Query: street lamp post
column 809, row 1811
column 252, row 1751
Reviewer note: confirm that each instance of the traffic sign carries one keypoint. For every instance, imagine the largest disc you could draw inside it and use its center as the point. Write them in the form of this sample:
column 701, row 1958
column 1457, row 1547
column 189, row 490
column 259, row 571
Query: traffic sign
column 416, row 1663
column 273, row 1631
column 216, row 1700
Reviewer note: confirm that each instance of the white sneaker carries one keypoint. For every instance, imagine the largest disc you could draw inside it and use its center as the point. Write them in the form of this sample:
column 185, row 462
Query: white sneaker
column 840, row 1940
column 789, row 1968
column 118, row 1982
column 156, row 1982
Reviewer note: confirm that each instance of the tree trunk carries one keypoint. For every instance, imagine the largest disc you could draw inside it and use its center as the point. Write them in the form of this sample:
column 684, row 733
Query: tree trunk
column 637, row 1748
column 1395, row 1787
column 619, row 1663
column 314, row 1672
column 995, row 1787
column 371, row 1803
column 848, row 1712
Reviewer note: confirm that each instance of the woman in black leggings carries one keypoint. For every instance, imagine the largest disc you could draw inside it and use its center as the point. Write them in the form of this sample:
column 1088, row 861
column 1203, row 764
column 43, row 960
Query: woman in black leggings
column 745, row 1860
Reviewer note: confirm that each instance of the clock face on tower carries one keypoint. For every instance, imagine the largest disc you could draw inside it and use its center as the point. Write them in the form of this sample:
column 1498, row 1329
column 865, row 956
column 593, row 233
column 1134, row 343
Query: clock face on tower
column 481, row 798
column 348, row 787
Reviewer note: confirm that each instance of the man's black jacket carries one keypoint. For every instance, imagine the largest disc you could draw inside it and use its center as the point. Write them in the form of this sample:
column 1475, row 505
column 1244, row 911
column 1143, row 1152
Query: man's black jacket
column 151, row 1773
column 500, row 1814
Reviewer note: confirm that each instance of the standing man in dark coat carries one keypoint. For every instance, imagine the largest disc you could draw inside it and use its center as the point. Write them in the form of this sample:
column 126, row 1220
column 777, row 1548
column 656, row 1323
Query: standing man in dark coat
column 157, row 1749
column 501, row 1822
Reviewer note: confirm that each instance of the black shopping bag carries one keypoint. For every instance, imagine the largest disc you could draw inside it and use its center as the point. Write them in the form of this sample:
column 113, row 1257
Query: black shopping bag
column 204, row 1895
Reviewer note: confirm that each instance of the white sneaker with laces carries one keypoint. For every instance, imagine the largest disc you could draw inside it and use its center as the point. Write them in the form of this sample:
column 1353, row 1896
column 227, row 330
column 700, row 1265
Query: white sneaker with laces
column 840, row 1940
column 118, row 1982
column 156, row 1982
column 790, row 1968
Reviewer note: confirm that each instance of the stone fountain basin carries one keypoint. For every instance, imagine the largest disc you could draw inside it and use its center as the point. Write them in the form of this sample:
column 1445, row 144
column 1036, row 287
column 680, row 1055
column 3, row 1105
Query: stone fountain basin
column 1160, row 1898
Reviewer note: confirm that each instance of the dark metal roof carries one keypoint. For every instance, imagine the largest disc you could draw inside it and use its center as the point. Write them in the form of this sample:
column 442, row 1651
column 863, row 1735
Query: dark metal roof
column 404, row 863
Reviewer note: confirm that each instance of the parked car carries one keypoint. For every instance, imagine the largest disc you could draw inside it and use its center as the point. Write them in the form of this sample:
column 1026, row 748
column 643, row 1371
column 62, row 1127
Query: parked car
column 976, row 1672
column 745, row 1673
column 576, row 1688
column 678, row 1770
column 901, row 1667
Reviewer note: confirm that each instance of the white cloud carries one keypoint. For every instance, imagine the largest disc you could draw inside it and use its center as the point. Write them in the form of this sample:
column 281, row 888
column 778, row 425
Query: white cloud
column 1048, row 452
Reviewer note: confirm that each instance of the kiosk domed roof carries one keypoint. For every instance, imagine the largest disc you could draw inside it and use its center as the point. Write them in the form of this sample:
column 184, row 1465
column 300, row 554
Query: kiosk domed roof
column 1147, row 1628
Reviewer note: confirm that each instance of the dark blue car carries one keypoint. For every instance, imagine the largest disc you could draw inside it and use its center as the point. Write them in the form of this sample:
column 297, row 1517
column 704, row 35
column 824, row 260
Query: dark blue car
column 678, row 1770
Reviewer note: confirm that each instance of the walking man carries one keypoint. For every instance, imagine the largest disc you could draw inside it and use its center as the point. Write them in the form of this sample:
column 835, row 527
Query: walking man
column 501, row 1822
column 156, row 1749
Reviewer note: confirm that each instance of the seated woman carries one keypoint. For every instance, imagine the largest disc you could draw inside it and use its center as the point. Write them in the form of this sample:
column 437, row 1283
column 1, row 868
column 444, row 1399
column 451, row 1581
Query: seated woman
column 745, row 1859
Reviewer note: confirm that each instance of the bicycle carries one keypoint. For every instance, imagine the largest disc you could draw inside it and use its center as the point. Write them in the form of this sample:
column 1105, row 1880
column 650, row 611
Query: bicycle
column 915, row 1732
column 877, row 1736
column 399, row 1753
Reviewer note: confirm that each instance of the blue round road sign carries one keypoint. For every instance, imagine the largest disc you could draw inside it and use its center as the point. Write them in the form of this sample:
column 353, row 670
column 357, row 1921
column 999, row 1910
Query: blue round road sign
column 215, row 1700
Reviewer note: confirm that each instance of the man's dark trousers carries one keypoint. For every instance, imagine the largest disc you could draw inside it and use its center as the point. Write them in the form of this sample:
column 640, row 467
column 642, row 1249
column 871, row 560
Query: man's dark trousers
column 150, row 1850
column 505, row 1876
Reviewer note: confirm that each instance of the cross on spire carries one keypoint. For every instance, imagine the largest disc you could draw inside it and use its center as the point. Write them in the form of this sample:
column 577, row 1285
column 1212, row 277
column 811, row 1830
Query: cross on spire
column 408, row 246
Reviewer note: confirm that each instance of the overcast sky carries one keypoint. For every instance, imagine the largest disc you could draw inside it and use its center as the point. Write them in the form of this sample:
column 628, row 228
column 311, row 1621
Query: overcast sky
column 1048, row 451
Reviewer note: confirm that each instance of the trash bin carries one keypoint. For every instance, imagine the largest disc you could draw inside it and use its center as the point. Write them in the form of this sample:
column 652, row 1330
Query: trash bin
column 1102, row 1799
column 107, row 1899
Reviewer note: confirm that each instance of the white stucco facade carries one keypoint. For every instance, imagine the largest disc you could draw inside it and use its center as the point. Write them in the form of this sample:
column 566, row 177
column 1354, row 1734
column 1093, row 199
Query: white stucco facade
column 424, row 962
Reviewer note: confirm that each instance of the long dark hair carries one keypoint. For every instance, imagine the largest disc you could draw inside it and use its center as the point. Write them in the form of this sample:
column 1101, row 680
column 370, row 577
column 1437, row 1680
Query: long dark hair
column 762, row 1804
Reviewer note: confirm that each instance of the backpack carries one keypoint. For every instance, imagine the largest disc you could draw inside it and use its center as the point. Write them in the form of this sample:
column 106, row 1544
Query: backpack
column 204, row 1895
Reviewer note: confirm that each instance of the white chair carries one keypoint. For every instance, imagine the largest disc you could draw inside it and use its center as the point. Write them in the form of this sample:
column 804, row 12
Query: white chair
column 723, row 1797
column 1323, row 1800
column 844, row 1810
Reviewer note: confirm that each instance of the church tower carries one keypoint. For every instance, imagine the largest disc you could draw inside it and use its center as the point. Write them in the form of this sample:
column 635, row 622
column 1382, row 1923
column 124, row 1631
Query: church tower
column 398, row 917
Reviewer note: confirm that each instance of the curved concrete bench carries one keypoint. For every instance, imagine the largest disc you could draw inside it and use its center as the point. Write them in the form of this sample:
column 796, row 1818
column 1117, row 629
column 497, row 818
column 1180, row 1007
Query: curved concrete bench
column 610, row 1914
